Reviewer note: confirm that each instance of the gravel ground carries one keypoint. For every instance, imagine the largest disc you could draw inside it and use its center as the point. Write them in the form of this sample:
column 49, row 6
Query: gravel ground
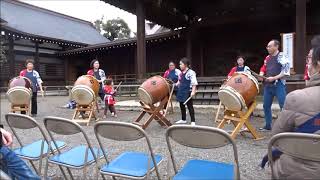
column 249, row 150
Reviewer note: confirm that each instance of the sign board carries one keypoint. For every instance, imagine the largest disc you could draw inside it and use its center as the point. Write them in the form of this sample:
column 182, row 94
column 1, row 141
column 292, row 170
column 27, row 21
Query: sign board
column 288, row 47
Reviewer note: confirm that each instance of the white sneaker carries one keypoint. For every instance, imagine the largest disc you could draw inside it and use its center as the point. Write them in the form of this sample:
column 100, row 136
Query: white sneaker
column 181, row 122
column 112, row 114
column 193, row 123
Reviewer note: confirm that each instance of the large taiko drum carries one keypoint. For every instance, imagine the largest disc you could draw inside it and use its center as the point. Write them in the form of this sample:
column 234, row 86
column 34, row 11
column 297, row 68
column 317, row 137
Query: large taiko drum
column 20, row 90
column 85, row 90
column 239, row 91
column 153, row 90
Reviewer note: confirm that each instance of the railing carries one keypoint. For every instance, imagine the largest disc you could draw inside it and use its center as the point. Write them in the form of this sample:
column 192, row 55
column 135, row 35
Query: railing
column 131, row 78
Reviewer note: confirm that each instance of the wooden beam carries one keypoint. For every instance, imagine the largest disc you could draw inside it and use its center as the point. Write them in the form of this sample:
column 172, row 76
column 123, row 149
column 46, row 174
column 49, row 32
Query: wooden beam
column 141, row 42
column 11, row 57
column 300, row 48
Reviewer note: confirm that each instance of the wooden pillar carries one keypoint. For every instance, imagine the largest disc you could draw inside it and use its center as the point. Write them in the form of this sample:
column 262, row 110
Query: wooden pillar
column 141, row 43
column 66, row 70
column 11, row 58
column 36, row 56
column 201, row 60
column 189, row 45
column 300, row 46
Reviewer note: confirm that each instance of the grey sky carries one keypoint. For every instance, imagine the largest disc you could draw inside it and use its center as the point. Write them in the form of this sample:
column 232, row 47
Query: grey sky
column 89, row 10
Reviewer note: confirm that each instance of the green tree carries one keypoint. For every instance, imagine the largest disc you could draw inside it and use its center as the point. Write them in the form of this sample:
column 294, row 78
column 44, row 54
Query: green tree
column 98, row 24
column 113, row 29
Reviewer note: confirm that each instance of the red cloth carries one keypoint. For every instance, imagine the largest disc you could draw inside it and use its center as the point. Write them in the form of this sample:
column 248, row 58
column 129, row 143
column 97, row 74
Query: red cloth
column 109, row 99
column 23, row 72
column 166, row 74
column 263, row 69
column 90, row 72
column 306, row 76
column 233, row 70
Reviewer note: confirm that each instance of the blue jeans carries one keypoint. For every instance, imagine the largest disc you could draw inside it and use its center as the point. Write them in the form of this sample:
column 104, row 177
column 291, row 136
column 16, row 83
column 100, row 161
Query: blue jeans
column 278, row 90
column 15, row 167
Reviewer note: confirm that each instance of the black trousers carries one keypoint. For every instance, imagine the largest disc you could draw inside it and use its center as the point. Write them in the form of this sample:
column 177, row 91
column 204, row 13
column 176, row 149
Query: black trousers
column 34, row 104
column 190, row 108
column 101, row 95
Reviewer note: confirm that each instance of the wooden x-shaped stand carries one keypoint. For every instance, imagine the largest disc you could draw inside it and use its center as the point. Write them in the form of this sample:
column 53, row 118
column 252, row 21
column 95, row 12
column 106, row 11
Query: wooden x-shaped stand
column 154, row 112
column 88, row 110
column 21, row 108
column 240, row 119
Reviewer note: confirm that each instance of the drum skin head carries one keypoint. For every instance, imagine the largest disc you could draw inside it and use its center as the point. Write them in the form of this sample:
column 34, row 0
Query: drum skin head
column 19, row 95
column 83, row 95
column 230, row 100
column 144, row 96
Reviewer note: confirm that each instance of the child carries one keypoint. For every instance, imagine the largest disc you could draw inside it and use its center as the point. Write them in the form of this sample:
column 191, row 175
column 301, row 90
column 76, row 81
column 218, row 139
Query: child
column 186, row 88
column 109, row 98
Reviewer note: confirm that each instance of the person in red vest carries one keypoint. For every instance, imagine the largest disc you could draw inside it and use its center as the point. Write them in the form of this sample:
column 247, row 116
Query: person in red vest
column 109, row 98
column 34, row 76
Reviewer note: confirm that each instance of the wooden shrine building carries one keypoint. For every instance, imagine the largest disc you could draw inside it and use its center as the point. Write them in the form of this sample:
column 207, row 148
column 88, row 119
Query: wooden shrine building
column 28, row 31
column 210, row 33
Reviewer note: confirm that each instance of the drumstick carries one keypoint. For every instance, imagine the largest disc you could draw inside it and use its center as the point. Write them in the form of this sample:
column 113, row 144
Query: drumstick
column 118, row 86
column 256, row 74
column 187, row 100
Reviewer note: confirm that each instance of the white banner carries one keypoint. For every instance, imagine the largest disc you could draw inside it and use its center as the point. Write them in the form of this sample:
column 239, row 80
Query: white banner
column 288, row 46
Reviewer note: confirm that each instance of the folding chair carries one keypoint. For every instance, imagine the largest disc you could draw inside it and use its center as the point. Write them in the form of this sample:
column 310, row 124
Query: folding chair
column 299, row 145
column 133, row 165
column 204, row 138
column 36, row 150
column 78, row 157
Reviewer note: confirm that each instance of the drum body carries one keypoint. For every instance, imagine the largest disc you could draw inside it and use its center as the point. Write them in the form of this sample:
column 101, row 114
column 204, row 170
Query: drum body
column 85, row 90
column 153, row 90
column 20, row 91
column 239, row 91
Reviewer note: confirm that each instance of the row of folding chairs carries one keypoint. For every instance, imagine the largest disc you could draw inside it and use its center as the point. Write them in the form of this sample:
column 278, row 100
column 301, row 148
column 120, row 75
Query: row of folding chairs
column 139, row 165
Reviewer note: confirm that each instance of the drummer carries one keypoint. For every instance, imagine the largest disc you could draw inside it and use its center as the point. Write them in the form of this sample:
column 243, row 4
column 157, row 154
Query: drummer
column 187, row 84
column 34, row 76
column 240, row 67
column 98, row 74
column 172, row 73
column 276, row 68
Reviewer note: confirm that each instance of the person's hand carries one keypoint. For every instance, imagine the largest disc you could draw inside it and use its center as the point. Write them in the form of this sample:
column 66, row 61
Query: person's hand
column 270, row 79
column 193, row 94
column 6, row 137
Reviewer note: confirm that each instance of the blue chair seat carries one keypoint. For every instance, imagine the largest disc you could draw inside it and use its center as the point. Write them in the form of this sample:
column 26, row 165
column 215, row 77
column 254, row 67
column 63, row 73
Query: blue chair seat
column 33, row 150
column 205, row 170
column 75, row 157
column 133, row 164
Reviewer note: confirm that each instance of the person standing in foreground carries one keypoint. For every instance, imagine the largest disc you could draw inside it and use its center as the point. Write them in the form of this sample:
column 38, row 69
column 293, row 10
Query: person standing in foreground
column 187, row 84
column 301, row 113
column 10, row 163
column 34, row 76
column 275, row 68
column 98, row 74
